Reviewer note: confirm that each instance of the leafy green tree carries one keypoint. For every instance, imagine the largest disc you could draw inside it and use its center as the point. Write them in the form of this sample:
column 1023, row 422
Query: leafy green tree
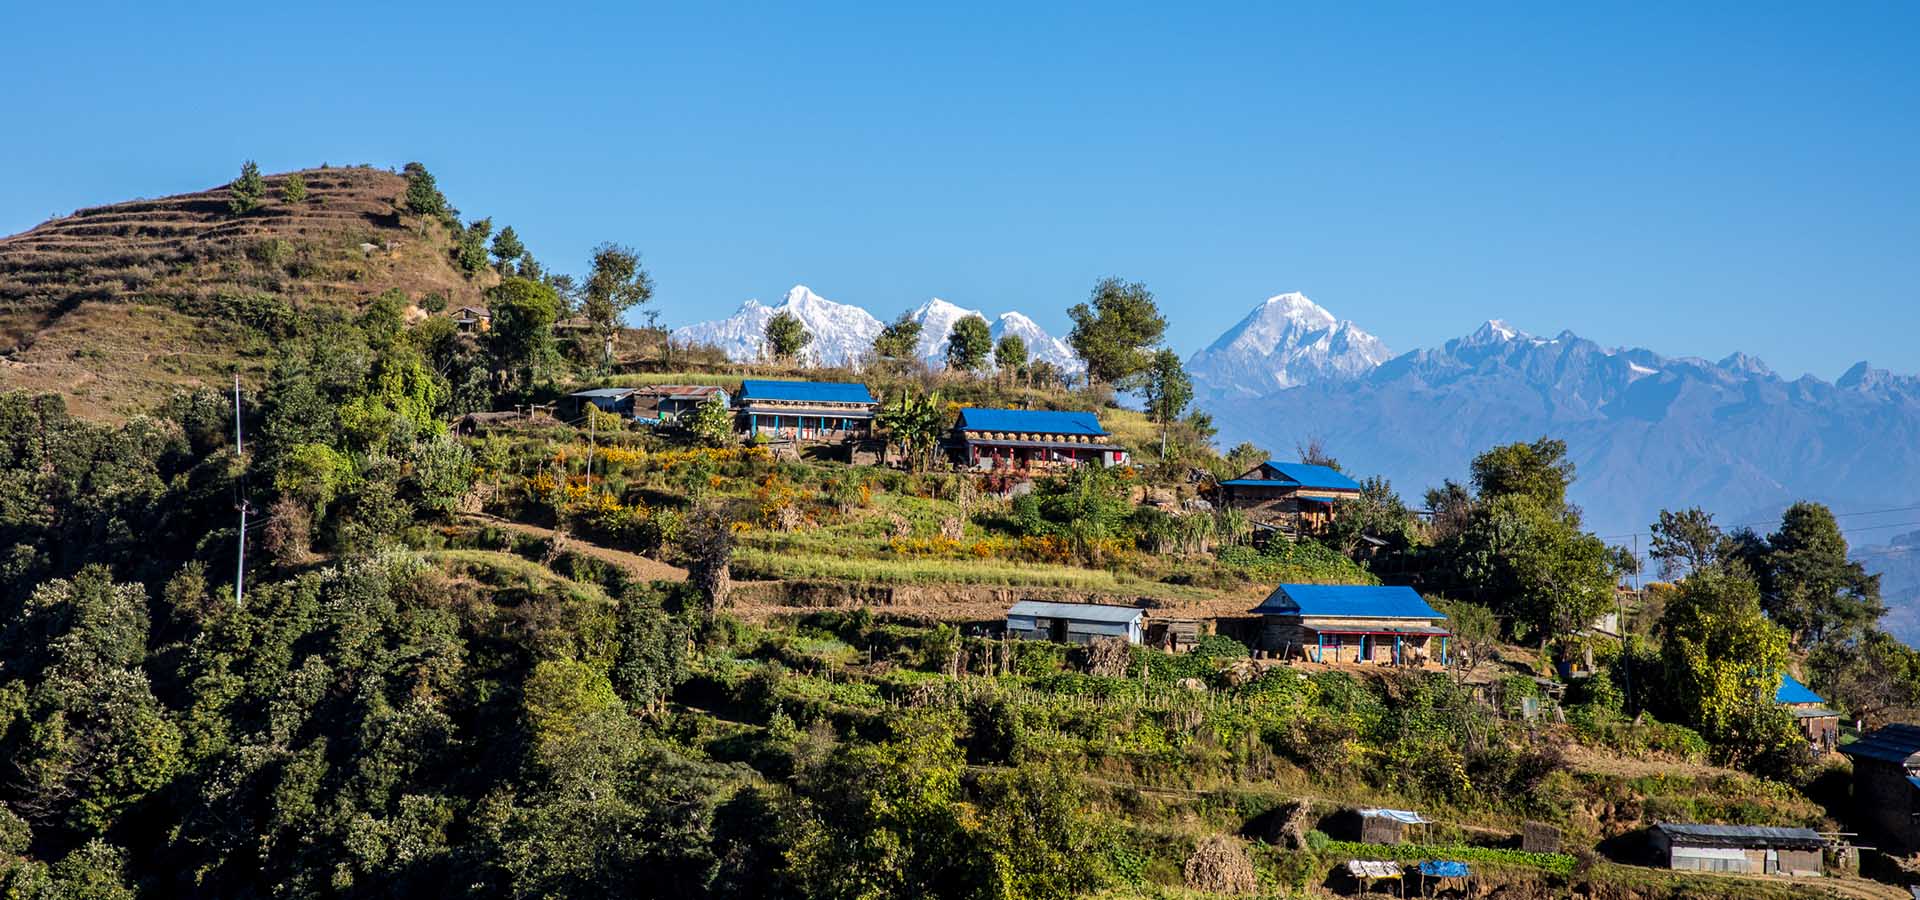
column 1010, row 356
column 968, row 344
column 507, row 248
column 1684, row 541
column 1539, row 471
column 1035, row 834
column 294, row 189
column 914, row 423
column 401, row 400
column 1115, row 330
column 521, row 338
column 423, row 196
column 1809, row 585
column 786, row 336
column 1872, row 675
column 712, row 422
column 899, row 340
column 470, row 252
column 1168, row 391
column 243, row 195
column 1724, row 660
column 1535, row 567
column 617, row 283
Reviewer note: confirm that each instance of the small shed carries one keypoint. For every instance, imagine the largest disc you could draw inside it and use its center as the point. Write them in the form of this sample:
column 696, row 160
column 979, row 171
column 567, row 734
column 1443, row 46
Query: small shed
column 1748, row 849
column 1074, row 623
column 1820, row 725
column 615, row 400
column 1387, row 826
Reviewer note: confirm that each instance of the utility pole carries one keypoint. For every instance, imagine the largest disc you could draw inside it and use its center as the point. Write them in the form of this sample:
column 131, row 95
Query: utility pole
column 240, row 567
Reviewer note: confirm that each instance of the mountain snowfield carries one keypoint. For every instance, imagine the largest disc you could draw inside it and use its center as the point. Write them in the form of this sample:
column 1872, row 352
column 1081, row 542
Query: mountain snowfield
column 1287, row 341
column 843, row 333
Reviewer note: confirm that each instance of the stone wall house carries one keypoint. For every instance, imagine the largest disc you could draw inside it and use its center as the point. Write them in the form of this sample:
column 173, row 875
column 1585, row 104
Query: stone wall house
column 1352, row 624
column 1291, row 498
column 1886, row 785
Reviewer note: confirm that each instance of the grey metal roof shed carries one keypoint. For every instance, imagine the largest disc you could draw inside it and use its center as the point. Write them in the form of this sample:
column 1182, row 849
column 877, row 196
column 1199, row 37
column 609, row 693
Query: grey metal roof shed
column 1074, row 622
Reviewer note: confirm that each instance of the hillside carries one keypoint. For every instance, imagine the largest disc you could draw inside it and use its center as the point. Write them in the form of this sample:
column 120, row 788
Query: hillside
column 114, row 306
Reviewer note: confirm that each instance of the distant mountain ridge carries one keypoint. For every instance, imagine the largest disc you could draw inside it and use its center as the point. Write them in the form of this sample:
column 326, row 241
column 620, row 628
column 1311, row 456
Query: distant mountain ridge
column 843, row 333
column 1287, row 341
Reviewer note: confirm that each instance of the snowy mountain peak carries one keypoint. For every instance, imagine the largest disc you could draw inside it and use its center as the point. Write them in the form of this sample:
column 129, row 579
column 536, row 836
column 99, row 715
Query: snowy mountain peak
column 1494, row 331
column 1286, row 341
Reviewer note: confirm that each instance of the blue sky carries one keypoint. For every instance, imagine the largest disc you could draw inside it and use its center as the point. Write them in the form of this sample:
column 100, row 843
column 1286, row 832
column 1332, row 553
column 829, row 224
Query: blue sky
column 1694, row 180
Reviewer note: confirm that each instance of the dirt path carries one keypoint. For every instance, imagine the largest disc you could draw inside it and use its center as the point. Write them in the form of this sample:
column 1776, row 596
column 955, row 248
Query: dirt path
column 645, row 568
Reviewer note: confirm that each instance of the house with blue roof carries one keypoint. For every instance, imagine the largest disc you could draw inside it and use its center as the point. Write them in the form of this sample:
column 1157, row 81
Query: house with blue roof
column 814, row 412
column 1353, row 624
column 1292, row 498
column 1028, row 440
column 1820, row 724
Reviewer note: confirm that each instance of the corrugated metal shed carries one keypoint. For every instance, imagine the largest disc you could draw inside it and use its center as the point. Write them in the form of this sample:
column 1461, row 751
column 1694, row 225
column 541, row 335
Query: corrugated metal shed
column 805, row 391
column 1894, row 744
column 1792, row 691
column 1077, row 612
column 614, row 393
column 1311, row 476
column 1347, row 601
column 1754, row 837
column 1041, row 421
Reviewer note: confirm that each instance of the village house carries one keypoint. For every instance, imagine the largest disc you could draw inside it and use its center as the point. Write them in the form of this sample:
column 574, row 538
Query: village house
column 1292, row 498
column 1886, row 784
column 1025, row 440
column 1352, row 624
column 1074, row 623
column 616, row 401
column 1820, row 724
column 665, row 404
column 806, row 411
column 1747, row 849
column 472, row 318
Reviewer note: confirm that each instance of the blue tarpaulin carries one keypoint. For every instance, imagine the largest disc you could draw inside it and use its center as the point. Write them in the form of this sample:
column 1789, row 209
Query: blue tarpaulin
column 1443, row 869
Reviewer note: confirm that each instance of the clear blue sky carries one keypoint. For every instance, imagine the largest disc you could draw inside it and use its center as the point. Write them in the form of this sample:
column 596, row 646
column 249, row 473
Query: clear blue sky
column 1693, row 180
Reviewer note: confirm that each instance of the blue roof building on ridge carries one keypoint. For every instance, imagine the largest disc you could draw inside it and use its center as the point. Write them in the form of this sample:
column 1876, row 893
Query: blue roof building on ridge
column 1041, row 421
column 805, row 391
column 1348, row 601
column 1792, row 691
column 1308, row 475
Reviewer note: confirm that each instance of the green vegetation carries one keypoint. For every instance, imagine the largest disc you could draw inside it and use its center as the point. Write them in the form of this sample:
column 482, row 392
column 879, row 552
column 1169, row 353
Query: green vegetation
column 294, row 189
column 969, row 344
column 786, row 337
column 243, row 196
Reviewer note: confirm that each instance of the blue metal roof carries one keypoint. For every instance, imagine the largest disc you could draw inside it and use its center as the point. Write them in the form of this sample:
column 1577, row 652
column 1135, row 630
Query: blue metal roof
column 1349, row 601
column 1792, row 691
column 1894, row 744
column 1312, row 476
column 803, row 391
column 1042, row 421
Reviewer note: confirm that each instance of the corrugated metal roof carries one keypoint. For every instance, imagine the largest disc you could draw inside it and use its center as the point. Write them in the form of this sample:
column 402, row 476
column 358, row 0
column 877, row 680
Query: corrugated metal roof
column 1756, row 836
column 1312, row 476
column 1084, row 612
column 1044, row 421
column 615, row 392
column 1894, row 743
column 815, row 391
column 1792, row 691
column 1346, row 600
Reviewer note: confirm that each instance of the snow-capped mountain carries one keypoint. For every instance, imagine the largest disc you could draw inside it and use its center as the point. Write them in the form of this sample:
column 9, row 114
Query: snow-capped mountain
column 842, row 333
column 1287, row 341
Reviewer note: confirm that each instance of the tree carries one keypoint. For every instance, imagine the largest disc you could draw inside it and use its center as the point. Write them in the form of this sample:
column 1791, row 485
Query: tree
column 423, row 196
column 1684, row 541
column 294, row 189
column 1314, row 453
column 899, row 341
column 968, row 344
column 521, row 337
column 1873, row 676
column 914, row 423
column 243, row 195
column 1114, row 331
column 1539, row 470
column 617, row 283
column 1534, row 566
column 1010, row 356
column 506, row 249
column 708, row 544
column 1168, row 391
column 470, row 253
column 1809, row 585
column 786, row 336
column 1723, row 661
column 712, row 421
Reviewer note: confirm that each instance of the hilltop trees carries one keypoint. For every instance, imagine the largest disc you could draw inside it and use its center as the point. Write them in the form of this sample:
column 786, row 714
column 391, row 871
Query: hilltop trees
column 243, row 195
column 1808, row 584
column 616, row 283
column 897, row 343
column 786, row 336
column 1685, row 541
column 1115, row 330
column 423, row 196
column 507, row 249
column 1010, row 356
column 470, row 249
column 968, row 344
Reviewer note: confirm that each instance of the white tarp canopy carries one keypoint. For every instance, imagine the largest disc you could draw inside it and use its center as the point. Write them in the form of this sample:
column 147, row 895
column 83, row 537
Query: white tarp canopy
column 1373, row 868
column 1406, row 816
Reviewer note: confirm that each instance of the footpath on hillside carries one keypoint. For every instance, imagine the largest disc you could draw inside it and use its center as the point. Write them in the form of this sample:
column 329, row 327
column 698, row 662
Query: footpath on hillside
column 645, row 568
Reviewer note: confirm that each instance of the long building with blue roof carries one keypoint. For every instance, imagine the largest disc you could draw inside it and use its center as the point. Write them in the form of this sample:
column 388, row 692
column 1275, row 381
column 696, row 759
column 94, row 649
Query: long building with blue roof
column 806, row 411
column 1297, row 498
column 1025, row 440
column 1344, row 623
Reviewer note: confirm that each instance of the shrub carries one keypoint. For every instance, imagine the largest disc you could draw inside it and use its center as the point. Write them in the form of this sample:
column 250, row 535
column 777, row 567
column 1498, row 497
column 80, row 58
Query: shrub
column 243, row 195
column 294, row 190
